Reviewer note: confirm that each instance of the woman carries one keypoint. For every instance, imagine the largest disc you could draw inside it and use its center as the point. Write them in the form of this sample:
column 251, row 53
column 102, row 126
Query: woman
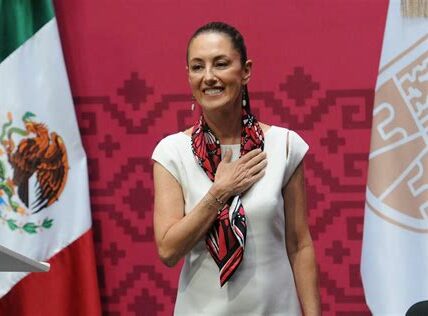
column 230, row 196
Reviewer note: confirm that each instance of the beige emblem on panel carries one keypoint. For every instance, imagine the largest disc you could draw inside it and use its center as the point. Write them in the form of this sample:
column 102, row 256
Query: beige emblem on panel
column 397, row 189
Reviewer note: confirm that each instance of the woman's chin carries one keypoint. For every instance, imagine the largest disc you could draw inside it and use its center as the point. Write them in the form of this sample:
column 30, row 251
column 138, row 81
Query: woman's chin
column 216, row 105
column 213, row 104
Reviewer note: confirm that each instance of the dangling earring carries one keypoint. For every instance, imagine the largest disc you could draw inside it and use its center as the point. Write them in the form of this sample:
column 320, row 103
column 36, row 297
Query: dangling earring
column 192, row 107
column 244, row 99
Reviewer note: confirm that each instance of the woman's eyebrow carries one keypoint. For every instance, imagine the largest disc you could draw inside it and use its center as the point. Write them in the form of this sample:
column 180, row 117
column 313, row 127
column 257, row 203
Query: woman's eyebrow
column 221, row 57
column 197, row 59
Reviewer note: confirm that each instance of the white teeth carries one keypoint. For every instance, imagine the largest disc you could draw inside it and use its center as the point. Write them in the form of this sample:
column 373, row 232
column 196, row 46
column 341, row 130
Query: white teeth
column 213, row 91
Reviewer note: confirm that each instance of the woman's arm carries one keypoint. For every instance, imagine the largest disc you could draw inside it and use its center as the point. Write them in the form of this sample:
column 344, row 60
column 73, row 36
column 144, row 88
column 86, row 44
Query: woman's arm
column 299, row 244
column 177, row 234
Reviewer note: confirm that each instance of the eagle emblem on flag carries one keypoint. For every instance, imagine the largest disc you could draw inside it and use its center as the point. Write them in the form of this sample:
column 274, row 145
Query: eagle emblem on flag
column 30, row 152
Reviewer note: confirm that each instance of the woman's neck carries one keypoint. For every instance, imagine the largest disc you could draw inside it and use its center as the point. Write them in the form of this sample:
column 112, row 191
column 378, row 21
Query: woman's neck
column 226, row 125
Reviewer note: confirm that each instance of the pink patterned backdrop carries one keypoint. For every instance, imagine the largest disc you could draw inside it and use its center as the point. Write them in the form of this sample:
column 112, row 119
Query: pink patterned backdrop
column 315, row 66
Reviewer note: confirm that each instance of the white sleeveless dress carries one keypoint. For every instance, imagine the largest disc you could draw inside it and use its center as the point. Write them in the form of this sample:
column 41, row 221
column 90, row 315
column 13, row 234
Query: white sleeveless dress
column 263, row 284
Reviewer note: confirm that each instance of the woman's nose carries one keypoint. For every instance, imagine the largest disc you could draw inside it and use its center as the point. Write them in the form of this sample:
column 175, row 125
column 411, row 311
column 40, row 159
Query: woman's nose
column 209, row 75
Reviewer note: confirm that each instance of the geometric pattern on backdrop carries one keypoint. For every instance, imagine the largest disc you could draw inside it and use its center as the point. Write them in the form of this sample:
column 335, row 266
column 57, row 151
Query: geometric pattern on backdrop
column 336, row 124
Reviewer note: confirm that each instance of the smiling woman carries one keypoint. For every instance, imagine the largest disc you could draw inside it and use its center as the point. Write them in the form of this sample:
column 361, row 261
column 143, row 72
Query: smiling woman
column 216, row 74
column 230, row 196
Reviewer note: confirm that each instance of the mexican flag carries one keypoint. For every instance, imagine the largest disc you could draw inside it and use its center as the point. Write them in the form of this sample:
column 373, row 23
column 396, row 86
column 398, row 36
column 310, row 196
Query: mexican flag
column 395, row 242
column 44, row 199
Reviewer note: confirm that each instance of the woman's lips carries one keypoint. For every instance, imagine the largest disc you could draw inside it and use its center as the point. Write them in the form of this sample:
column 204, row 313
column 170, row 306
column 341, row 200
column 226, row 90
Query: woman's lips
column 213, row 91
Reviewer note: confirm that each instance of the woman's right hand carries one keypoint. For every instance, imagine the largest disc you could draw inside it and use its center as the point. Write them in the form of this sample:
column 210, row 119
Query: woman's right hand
column 233, row 178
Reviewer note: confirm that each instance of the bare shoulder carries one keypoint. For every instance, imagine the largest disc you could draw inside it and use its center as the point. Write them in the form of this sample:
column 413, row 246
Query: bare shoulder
column 265, row 127
column 188, row 131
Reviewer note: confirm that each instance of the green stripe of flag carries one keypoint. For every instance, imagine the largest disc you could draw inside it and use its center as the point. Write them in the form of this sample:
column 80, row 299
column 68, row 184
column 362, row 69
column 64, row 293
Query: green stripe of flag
column 19, row 20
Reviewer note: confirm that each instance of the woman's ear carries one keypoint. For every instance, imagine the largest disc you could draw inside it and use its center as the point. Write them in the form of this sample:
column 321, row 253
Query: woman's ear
column 247, row 71
column 188, row 74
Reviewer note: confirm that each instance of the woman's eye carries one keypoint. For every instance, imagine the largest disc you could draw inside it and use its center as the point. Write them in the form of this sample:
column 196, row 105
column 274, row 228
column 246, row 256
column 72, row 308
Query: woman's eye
column 196, row 67
column 221, row 64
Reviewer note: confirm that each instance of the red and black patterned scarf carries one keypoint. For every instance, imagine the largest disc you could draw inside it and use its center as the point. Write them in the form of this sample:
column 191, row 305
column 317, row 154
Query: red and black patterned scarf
column 226, row 238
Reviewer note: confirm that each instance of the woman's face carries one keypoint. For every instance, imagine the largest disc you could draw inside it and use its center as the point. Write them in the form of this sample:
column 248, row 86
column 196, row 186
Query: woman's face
column 216, row 74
